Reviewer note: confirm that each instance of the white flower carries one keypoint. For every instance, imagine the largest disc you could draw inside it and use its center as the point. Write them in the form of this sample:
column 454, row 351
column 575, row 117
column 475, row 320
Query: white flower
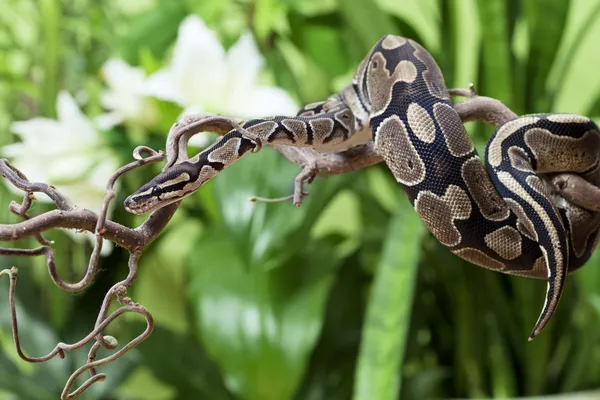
column 67, row 153
column 203, row 77
column 123, row 97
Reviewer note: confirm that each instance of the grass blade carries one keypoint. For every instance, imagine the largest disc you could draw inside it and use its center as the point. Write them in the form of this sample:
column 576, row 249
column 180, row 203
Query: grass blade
column 388, row 312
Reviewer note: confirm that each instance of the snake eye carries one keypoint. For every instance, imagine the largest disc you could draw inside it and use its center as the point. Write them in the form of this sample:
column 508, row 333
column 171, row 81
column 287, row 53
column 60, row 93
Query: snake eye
column 374, row 64
column 157, row 191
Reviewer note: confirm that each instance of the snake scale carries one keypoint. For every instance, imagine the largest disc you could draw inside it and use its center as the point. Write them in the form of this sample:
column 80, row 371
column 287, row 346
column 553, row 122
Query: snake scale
column 502, row 215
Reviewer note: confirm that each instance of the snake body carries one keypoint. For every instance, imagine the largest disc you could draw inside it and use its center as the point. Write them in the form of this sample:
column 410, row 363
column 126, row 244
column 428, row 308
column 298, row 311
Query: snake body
column 501, row 215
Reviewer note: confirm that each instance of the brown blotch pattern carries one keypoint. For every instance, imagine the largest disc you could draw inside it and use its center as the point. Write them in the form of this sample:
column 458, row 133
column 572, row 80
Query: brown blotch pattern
column 321, row 128
column 227, row 153
column 582, row 225
column 346, row 119
column 478, row 257
column 456, row 136
column 264, row 129
column 421, row 123
column 432, row 75
column 524, row 224
column 538, row 270
column 519, row 159
column 298, row 128
column 506, row 242
column 555, row 153
column 495, row 146
column 438, row 213
column 380, row 82
column 391, row 42
column 394, row 145
column 538, row 185
column 490, row 203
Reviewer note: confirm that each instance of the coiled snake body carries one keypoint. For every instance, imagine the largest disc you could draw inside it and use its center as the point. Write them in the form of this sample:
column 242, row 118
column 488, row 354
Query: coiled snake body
column 506, row 218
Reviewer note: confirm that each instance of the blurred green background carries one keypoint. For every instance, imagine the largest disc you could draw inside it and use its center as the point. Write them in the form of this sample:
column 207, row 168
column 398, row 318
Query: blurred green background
column 344, row 297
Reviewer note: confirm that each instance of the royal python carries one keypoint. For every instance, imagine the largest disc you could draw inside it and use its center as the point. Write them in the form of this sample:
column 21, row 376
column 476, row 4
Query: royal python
column 505, row 218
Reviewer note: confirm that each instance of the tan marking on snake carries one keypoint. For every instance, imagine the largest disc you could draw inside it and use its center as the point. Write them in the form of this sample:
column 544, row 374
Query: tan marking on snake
column 524, row 224
column 432, row 75
column 539, row 270
column 555, row 153
column 478, row 257
column 582, row 224
column 321, row 128
column 490, row 203
column 346, row 119
column 398, row 151
column 298, row 128
column 568, row 118
column 454, row 132
column 183, row 177
column 392, row 42
column 519, row 159
column 438, row 213
column 506, row 242
column 264, row 129
column 380, row 82
column 495, row 146
column 421, row 123
column 227, row 152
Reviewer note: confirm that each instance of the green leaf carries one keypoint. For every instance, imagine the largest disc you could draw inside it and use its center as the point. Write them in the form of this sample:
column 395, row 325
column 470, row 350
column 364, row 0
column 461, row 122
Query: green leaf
column 259, row 326
column 164, row 273
column 388, row 314
column 497, row 69
column 178, row 362
column 574, row 78
column 368, row 22
column 266, row 234
column 423, row 16
column 546, row 21
column 155, row 30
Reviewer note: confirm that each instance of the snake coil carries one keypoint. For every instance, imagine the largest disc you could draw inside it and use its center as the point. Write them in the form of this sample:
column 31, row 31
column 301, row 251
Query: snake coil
column 502, row 215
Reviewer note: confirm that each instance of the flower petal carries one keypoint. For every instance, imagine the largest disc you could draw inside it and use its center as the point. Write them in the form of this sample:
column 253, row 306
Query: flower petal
column 161, row 85
column 69, row 115
column 198, row 63
column 244, row 64
column 108, row 120
column 264, row 101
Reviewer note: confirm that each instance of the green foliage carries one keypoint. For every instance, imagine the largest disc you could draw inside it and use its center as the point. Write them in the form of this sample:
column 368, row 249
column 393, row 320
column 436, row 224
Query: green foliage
column 346, row 296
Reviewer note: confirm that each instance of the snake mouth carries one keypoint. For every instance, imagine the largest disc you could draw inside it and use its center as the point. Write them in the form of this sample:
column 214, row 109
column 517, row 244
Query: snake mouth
column 136, row 207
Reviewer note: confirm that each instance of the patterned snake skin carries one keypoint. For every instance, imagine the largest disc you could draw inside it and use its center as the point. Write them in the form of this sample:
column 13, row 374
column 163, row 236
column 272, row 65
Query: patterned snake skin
column 502, row 216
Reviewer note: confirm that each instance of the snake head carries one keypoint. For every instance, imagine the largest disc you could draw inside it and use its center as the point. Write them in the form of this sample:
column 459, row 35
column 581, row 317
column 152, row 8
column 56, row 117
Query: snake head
column 170, row 186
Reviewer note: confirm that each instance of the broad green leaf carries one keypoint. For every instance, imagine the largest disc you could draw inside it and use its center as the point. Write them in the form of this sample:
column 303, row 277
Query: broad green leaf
column 423, row 16
column 324, row 46
column 368, row 22
column 388, row 314
column 311, row 81
column 546, row 21
column 497, row 69
column 574, row 77
column 312, row 8
column 269, row 16
column 51, row 17
column 466, row 42
column 259, row 326
column 164, row 273
column 268, row 233
column 155, row 30
column 178, row 363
